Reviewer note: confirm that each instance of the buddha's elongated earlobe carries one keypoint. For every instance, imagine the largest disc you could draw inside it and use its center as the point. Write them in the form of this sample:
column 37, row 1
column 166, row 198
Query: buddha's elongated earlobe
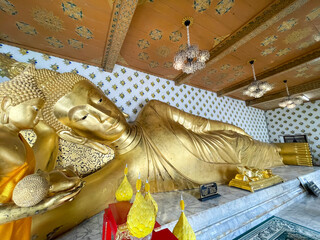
column 5, row 104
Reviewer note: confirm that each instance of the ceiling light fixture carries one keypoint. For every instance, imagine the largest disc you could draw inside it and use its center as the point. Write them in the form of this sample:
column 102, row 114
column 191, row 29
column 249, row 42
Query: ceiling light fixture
column 257, row 88
column 289, row 101
column 190, row 59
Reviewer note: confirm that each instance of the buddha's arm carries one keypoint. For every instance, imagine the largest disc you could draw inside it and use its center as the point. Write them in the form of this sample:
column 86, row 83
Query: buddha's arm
column 192, row 122
column 46, row 147
column 11, row 212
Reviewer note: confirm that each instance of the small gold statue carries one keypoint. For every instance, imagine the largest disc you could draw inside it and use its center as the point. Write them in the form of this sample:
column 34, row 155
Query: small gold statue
column 252, row 179
column 20, row 108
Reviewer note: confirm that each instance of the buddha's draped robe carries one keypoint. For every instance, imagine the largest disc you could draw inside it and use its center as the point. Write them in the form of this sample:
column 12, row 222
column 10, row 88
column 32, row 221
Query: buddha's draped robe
column 20, row 229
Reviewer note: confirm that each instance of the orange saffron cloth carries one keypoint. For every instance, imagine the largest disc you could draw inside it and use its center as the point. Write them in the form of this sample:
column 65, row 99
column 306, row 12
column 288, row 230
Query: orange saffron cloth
column 20, row 229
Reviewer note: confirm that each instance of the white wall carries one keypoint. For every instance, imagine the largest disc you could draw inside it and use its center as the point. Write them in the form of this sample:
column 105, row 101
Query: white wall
column 130, row 90
column 303, row 119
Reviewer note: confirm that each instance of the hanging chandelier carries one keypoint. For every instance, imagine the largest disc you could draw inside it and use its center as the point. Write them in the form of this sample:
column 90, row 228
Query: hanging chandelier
column 289, row 101
column 257, row 88
column 190, row 59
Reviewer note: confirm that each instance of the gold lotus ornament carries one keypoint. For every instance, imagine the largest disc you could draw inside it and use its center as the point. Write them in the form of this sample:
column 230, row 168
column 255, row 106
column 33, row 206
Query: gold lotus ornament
column 149, row 198
column 124, row 191
column 183, row 230
column 141, row 217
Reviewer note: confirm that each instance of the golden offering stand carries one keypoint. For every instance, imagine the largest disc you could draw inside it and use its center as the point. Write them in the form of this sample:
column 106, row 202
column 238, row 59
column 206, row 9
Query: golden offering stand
column 252, row 179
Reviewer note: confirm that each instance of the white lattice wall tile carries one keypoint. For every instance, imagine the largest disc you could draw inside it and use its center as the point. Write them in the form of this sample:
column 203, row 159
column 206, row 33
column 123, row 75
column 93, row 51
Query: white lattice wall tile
column 303, row 119
column 130, row 90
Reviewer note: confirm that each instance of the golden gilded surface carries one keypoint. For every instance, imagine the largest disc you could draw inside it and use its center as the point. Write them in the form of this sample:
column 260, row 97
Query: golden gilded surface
column 252, row 179
column 171, row 148
column 296, row 154
column 21, row 102
column 141, row 217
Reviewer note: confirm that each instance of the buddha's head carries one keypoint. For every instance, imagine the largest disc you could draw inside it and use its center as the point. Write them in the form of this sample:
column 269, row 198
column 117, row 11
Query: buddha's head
column 79, row 111
column 21, row 101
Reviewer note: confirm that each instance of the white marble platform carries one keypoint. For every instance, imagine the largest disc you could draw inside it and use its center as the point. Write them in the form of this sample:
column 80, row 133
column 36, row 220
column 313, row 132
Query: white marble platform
column 225, row 217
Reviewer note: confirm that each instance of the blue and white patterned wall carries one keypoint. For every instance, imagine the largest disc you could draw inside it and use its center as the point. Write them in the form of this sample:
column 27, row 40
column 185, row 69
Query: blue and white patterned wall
column 303, row 119
column 130, row 90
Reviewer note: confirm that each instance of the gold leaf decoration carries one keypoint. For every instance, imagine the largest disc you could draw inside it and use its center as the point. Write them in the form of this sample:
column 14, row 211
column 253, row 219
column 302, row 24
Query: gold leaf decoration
column 75, row 43
column 163, row 51
column 287, row 25
column 84, row 32
column 54, row 42
column 72, row 10
column 26, row 28
column 8, row 7
column 298, row 35
column 47, row 19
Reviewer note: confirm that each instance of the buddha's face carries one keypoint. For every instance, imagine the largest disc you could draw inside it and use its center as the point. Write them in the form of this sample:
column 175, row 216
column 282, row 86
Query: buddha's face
column 89, row 113
column 26, row 114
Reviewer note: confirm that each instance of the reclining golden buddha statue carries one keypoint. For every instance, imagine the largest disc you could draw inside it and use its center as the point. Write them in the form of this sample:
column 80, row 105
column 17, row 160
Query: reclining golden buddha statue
column 173, row 149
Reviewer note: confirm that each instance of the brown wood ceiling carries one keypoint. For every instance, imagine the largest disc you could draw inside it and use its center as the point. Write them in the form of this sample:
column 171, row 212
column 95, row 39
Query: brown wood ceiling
column 282, row 36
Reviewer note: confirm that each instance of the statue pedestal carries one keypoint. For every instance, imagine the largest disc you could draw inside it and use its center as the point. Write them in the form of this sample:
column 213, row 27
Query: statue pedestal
column 255, row 185
column 225, row 217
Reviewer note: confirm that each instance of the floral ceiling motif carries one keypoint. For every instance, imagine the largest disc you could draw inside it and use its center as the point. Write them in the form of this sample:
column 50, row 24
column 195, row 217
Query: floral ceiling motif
column 298, row 35
column 225, row 67
column 26, row 28
column 163, row 51
column 143, row 56
column 201, row 5
column 72, row 10
column 143, row 44
column 54, row 42
column 156, row 34
column 269, row 40
column 47, row 20
column 75, row 43
column 283, row 52
column 287, row 25
column 8, row 7
column 175, row 36
column 153, row 64
column 168, row 64
column 84, row 32
column 224, row 6
column 268, row 51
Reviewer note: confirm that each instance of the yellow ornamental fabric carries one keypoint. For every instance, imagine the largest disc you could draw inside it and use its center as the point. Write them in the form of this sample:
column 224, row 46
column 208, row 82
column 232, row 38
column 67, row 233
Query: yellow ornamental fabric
column 183, row 230
column 141, row 217
column 148, row 197
column 124, row 191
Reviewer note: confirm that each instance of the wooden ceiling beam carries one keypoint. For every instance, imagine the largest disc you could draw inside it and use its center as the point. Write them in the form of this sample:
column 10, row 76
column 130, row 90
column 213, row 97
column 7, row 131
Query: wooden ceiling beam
column 298, row 89
column 273, row 71
column 277, row 10
column 122, row 14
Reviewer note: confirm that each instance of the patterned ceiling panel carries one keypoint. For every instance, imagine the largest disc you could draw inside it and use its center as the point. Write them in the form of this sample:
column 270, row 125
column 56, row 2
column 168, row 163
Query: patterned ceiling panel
column 70, row 28
column 301, row 74
column 287, row 39
column 156, row 32
column 273, row 32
